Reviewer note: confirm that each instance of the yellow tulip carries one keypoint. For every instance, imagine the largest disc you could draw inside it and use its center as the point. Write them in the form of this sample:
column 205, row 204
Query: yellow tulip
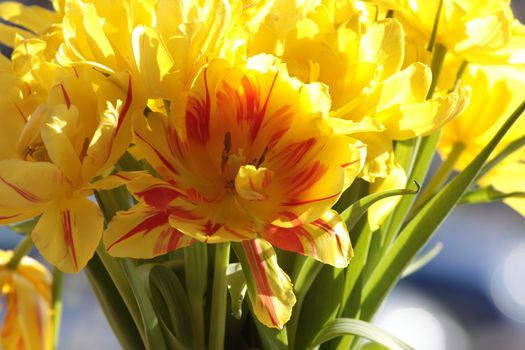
column 246, row 158
column 484, row 116
column 478, row 31
column 373, row 98
column 28, row 320
column 57, row 135
column 507, row 177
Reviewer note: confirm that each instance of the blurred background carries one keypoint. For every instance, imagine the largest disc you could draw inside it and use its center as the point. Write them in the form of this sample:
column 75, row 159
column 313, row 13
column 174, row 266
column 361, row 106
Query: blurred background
column 471, row 296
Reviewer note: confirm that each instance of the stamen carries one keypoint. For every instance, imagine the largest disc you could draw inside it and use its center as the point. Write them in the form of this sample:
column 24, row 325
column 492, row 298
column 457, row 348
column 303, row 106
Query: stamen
column 226, row 150
column 85, row 146
column 262, row 157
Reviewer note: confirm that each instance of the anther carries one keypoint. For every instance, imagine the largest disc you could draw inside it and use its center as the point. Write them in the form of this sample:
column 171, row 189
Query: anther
column 262, row 157
column 226, row 150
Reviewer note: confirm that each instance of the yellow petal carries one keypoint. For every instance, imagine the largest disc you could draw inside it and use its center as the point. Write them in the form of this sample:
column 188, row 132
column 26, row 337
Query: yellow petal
column 153, row 60
column 8, row 34
column 114, row 132
column 420, row 119
column 28, row 319
column 68, row 233
column 379, row 211
column 143, row 232
column 406, row 86
column 325, row 239
column 34, row 18
column 269, row 288
column 251, row 183
column 383, row 43
column 58, row 145
column 29, row 185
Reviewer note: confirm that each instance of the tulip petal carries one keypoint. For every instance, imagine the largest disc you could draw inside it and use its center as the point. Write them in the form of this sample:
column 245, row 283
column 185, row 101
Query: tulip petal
column 113, row 135
column 325, row 239
column 379, row 211
column 28, row 185
column 143, row 232
column 34, row 18
column 420, row 119
column 58, row 145
column 269, row 288
column 68, row 233
column 147, row 43
column 28, row 320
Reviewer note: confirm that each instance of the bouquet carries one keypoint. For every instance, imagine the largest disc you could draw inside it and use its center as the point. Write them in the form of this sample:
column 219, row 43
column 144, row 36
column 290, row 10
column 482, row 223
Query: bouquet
column 246, row 174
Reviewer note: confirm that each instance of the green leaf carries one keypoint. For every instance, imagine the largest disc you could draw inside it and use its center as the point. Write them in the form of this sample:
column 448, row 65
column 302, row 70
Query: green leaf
column 304, row 274
column 425, row 152
column 509, row 149
column 171, row 303
column 423, row 225
column 354, row 212
column 487, row 195
column 25, row 227
column 320, row 305
column 153, row 333
column 420, row 262
column 237, row 288
column 56, row 302
column 348, row 326
column 116, row 311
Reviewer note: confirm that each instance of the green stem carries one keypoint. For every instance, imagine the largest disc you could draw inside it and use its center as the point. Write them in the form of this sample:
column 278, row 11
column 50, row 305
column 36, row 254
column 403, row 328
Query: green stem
column 116, row 311
column 58, row 283
column 440, row 176
column 219, row 297
column 305, row 271
column 459, row 75
column 438, row 58
column 109, row 206
column 196, row 272
column 433, row 35
column 22, row 249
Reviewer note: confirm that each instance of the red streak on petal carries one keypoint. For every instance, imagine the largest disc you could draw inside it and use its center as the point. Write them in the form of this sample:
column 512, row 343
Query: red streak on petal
column 181, row 213
column 167, row 241
column 66, row 96
column 198, row 116
column 307, row 201
column 24, row 118
column 158, row 196
column 234, row 233
column 287, row 239
column 151, row 222
column 253, row 252
column 164, row 161
column 125, row 108
column 210, row 228
column 195, row 196
column 9, row 216
column 263, row 110
column 24, row 194
column 344, row 165
column 320, row 223
column 306, row 179
column 68, row 236
column 292, row 154
column 122, row 116
column 294, row 219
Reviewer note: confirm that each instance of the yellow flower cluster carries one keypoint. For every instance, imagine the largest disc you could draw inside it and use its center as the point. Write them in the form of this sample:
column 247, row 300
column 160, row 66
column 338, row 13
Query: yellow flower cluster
column 27, row 291
column 254, row 117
